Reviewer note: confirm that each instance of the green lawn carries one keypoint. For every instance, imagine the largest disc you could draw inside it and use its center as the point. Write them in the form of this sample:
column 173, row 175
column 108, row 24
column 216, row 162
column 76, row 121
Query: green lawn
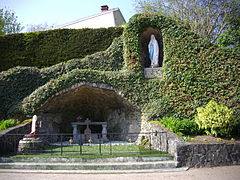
column 99, row 150
column 104, row 151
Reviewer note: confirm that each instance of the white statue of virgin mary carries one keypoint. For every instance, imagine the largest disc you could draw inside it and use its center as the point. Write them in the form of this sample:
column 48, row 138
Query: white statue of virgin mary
column 153, row 50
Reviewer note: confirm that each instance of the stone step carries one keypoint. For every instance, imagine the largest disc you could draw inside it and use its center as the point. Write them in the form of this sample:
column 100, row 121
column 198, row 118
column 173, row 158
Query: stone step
column 91, row 166
column 94, row 171
column 87, row 160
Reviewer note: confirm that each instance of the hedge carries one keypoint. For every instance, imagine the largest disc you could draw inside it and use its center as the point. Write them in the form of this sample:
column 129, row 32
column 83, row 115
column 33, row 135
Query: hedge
column 46, row 48
column 194, row 72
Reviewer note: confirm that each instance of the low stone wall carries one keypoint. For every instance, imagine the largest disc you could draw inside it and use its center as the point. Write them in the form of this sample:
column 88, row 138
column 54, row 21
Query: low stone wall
column 195, row 155
column 207, row 155
column 10, row 137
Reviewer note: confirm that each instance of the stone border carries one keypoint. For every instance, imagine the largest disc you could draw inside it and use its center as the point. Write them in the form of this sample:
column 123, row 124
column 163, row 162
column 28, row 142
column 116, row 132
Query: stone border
column 196, row 155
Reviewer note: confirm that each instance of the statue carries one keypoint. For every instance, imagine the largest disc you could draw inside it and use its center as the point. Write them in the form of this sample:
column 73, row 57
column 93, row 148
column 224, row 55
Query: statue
column 34, row 128
column 153, row 50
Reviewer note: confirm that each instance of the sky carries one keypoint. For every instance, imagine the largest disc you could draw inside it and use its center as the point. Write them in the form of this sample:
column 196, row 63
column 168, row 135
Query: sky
column 57, row 12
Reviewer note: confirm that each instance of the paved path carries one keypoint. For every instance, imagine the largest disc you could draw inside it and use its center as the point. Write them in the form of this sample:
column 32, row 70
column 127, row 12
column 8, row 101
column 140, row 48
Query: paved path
column 217, row 173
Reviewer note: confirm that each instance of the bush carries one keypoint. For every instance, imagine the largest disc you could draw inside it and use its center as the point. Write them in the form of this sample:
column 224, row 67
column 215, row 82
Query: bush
column 185, row 126
column 217, row 120
column 8, row 123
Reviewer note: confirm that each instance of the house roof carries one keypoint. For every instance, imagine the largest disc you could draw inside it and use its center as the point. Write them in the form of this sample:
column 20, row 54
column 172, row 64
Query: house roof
column 90, row 17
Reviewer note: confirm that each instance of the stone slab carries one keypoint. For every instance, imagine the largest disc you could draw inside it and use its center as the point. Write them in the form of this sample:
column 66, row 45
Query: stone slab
column 151, row 73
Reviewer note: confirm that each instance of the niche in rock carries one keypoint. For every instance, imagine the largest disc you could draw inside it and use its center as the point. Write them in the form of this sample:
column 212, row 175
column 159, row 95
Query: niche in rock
column 145, row 39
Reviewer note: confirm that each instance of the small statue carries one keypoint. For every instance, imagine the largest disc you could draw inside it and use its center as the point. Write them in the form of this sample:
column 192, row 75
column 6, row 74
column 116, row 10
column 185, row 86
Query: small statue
column 34, row 129
column 153, row 50
column 70, row 141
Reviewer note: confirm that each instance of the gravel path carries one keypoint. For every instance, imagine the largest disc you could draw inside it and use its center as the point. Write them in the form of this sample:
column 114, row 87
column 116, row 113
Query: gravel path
column 216, row 173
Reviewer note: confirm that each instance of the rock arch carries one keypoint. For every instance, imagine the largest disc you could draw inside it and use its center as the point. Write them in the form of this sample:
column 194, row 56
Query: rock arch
column 98, row 102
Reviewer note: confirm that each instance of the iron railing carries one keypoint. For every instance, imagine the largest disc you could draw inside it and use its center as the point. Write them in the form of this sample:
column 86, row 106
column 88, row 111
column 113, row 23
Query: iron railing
column 93, row 144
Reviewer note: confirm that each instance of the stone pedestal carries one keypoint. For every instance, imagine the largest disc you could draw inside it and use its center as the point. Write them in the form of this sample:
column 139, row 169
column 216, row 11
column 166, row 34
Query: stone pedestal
column 75, row 134
column 104, row 133
column 30, row 146
column 153, row 72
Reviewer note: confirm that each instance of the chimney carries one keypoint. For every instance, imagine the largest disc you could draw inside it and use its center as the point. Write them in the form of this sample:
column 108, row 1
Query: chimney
column 104, row 8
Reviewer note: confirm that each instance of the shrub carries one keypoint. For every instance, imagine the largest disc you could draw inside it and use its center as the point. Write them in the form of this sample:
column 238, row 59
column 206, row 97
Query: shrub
column 8, row 123
column 215, row 119
column 183, row 127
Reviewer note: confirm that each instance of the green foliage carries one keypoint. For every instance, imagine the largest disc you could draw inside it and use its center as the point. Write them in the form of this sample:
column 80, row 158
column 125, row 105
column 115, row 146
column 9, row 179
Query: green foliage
column 230, row 38
column 145, row 142
column 208, row 19
column 15, row 85
column 46, row 48
column 183, row 127
column 28, row 79
column 8, row 123
column 8, row 22
column 216, row 119
column 194, row 71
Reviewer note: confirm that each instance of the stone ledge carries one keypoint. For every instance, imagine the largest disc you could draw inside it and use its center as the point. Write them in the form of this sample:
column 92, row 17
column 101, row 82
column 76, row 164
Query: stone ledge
column 151, row 73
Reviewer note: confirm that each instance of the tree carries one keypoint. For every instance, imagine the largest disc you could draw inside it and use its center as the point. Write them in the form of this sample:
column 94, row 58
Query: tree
column 39, row 27
column 8, row 22
column 231, row 37
column 208, row 18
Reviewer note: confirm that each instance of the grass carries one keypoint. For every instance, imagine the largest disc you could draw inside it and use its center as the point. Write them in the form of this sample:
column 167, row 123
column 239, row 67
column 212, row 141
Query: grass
column 8, row 123
column 94, row 152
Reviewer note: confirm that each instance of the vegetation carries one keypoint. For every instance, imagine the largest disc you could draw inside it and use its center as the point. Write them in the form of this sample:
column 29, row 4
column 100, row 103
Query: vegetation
column 194, row 72
column 8, row 22
column 216, row 119
column 181, row 127
column 76, row 155
column 46, row 48
column 93, row 152
column 28, row 79
column 209, row 19
column 8, row 123
column 105, row 150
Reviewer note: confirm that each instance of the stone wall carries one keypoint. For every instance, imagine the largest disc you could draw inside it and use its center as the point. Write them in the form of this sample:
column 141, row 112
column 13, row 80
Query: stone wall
column 192, row 154
column 208, row 155
column 10, row 137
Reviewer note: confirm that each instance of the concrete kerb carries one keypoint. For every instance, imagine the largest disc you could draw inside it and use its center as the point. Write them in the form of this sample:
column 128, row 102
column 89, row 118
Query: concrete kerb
column 94, row 171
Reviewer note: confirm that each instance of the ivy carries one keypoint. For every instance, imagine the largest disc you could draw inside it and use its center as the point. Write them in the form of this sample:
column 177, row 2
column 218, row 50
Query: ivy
column 194, row 72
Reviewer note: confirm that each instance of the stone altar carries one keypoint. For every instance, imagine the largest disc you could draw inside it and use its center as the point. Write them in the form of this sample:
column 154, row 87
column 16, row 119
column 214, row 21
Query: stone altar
column 87, row 135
